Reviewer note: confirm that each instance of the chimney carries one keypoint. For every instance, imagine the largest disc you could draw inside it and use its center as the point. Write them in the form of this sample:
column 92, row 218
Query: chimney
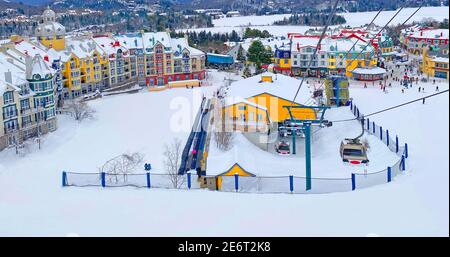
column 421, row 33
column 28, row 67
column 8, row 77
column 441, row 33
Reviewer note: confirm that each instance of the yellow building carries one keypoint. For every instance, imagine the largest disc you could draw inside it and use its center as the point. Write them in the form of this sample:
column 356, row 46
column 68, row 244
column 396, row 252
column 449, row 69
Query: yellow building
column 51, row 33
column 245, row 115
column 435, row 62
column 215, row 182
column 256, row 102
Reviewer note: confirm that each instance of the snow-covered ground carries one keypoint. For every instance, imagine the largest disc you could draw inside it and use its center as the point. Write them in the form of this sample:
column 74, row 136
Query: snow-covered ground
column 227, row 25
column 33, row 203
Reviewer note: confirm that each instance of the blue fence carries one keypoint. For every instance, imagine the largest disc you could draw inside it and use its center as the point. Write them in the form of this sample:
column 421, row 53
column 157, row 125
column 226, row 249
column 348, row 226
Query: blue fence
column 258, row 184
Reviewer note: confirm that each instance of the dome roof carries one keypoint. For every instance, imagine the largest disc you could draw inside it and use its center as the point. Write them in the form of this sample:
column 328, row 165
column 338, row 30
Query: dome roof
column 49, row 13
column 49, row 26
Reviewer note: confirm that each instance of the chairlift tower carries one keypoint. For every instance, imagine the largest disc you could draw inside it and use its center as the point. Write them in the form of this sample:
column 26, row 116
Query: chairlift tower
column 305, row 127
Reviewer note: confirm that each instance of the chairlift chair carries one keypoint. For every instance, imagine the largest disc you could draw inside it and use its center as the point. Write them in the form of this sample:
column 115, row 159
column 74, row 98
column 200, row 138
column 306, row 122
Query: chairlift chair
column 352, row 151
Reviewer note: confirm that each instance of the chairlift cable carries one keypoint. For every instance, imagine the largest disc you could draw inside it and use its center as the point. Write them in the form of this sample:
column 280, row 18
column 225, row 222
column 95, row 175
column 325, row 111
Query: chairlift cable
column 394, row 107
column 318, row 44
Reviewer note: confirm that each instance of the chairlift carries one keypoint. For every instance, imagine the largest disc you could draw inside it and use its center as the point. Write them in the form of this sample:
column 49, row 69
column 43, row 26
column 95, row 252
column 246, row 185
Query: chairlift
column 352, row 151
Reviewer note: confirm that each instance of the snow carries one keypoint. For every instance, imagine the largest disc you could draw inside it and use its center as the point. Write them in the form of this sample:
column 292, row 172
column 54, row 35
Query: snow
column 40, row 67
column 33, row 203
column 107, row 44
column 249, row 20
column 325, row 153
column 440, row 59
column 430, row 33
column 371, row 71
column 17, row 74
column 283, row 86
column 235, row 100
column 227, row 25
column 361, row 18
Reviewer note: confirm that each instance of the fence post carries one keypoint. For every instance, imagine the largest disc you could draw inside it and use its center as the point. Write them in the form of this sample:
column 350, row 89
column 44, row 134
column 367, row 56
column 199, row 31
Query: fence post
column 389, row 174
column 148, row 180
column 403, row 163
column 64, row 178
column 406, row 150
column 291, row 183
column 351, row 105
column 353, row 181
column 368, row 124
column 387, row 137
column 373, row 127
column 396, row 144
column 103, row 175
column 236, row 182
column 381, row 133
column 189, row 179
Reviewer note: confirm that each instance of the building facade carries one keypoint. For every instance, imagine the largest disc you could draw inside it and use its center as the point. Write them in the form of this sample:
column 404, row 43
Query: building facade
column 435, row 62
column 27, row 100
column 416, row 38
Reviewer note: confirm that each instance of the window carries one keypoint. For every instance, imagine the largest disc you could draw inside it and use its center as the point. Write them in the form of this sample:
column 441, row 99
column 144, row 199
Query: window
column 242, row 107
column 251, row 116
column 8, row 97
column 24, row 104
column 9, row 111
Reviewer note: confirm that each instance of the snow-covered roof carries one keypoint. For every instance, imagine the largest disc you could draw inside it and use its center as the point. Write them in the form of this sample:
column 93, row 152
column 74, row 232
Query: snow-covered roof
column 237, row 100
column 40, row 67
column 273, row 43
column 83, row 47
column 182, row 43
column 109, row 45
column 440, row 59
column 131, row 41
column 429, row 33
column 331, row 44
column 282, row 86
column 7, row 64
column 152, row 38
column 27, row 48
column 369, row 71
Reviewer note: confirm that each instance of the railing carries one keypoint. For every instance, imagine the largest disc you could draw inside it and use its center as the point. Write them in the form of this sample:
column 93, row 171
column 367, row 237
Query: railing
column 258, row 184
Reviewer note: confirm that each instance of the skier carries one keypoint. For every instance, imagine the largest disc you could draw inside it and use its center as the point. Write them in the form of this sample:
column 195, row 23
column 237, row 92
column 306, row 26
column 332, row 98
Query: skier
column 365, row 85
column 434, row 81
column 423, row 101
column 403, row 90
column 419, row 89
column 437, row 88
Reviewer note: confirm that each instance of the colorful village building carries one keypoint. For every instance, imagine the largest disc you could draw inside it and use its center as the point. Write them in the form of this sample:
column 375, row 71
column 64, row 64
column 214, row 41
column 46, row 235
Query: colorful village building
column 417, row 38
column 435, row 61
column 334, row 56
column 253, row 104
column 27, row 99
column 89, row 63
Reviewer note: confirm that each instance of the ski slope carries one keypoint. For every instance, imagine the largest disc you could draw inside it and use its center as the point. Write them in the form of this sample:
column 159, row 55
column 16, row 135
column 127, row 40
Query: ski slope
column 33, row 203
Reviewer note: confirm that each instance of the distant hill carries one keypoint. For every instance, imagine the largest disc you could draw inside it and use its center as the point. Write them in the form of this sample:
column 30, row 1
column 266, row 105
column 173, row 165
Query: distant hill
column 30, row 2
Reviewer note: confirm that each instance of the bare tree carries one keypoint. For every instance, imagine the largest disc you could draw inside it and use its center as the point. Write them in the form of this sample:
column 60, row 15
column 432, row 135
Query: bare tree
column 121, row 166
column 224, row 127
column 224, row 139
column 80, row 110
column 172, row 161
